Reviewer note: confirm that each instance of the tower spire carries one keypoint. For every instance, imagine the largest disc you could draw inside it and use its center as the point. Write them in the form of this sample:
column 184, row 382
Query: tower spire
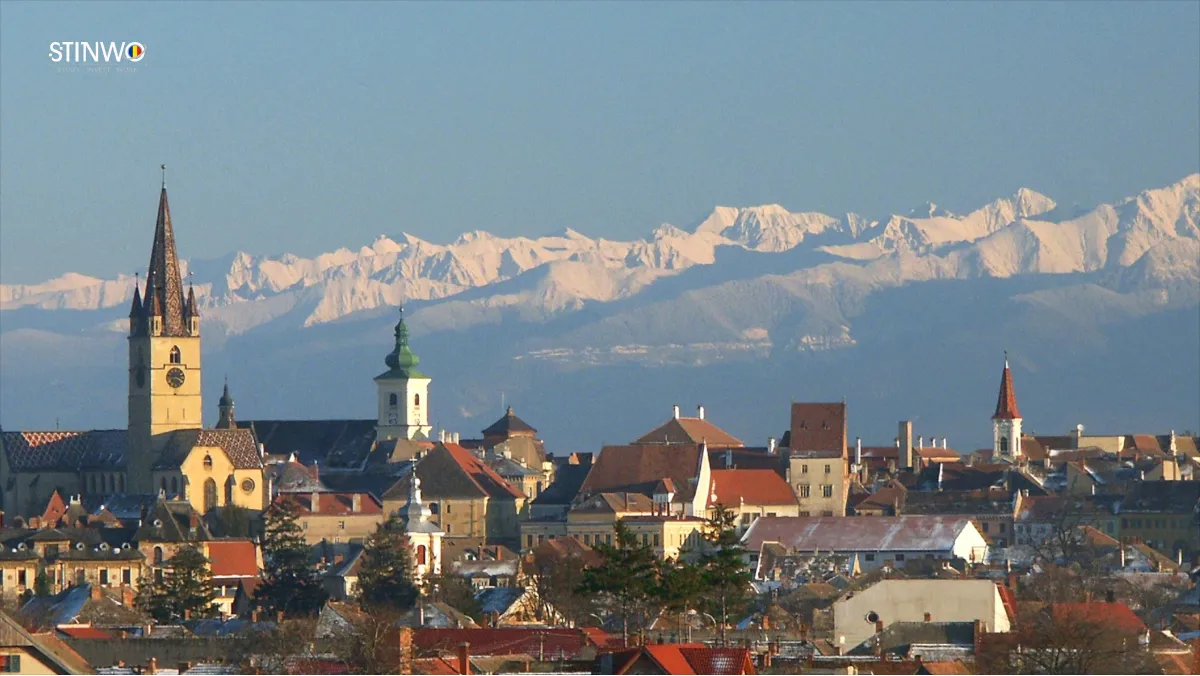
column 162, row 277
column 1006, row 402
column 402, row 359
column 164, row 177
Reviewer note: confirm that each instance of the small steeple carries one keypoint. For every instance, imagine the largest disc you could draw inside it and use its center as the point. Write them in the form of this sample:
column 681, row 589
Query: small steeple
column 135, row 309
column 189, row 308
column 1006, row 403
column 415, row 514
column 402, row 360
column 225, row 406
column 153, row 303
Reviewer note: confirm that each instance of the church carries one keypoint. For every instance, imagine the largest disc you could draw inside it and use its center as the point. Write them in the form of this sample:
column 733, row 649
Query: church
column 165, row 449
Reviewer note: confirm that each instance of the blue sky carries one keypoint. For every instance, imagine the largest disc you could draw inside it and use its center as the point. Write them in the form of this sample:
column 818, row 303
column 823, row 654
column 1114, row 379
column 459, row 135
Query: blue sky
column 306, row 127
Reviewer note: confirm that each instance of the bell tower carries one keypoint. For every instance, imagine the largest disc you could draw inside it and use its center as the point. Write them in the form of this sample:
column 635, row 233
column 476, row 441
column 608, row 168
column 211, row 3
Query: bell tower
column 1006, row 422
column 403, row 393
column 164, row 355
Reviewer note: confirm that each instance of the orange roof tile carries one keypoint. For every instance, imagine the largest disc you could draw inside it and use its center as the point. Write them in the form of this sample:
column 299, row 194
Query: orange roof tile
column 485, row 477
column 690, row 431
column 750, row 486
column 1116, row 614
column 330, row 504
column 818, row 427
column 233, row 558
column 1006, row 403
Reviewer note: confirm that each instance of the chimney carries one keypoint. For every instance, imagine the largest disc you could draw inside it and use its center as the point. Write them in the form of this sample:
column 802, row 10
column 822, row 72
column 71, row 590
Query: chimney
column 187, row 614
column 905, row 445
column 676, row 416
column 146, row 629
column 315, row 508
column 315, row 471
column 858, row 451
column 279, row 617
column 928, row 617
column 879, row 637
column 700, row 412
column 921, row 441
column 96, row 593
column 944, row 443
column 978, row 637
column 127, row 595
column 770, row 448
column 464, row 658
column 356, row 503
column 442, row 436
column 254, row 616
column 152, row 666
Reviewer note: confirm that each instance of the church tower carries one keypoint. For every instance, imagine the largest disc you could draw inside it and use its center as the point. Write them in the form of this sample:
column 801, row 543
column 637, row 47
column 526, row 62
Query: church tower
column 1006, row 422
column 403, row 393
column 164, row 356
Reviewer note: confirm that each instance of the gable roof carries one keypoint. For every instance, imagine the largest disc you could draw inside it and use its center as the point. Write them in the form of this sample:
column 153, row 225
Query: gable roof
column 239, row 444
column 690, row 431
column 47, row 649
column 732, row 487
column 172, row 521
column 233, row 558
column 638, row 468
column 334, row 443
column 868, row 534
column 818, row 427
column 61, row 451
column 1117, row 615
column 451, row 471
column 508, row 425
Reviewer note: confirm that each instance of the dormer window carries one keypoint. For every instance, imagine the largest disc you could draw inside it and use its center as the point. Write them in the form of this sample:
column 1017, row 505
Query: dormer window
column 176, row 356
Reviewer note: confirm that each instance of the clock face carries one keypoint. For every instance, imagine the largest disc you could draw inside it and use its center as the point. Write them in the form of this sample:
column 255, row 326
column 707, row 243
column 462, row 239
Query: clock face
column 139, row 375
column 392, row 419
column 175, row 377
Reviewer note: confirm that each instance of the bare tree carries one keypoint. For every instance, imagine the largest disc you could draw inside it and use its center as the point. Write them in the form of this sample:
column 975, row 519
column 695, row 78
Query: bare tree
column 1055, row 639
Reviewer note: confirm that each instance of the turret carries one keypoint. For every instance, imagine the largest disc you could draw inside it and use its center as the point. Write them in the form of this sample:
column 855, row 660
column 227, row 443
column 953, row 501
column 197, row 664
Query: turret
column 154, row 311
column 225, row 406
column 191, row 314
column 137, row 313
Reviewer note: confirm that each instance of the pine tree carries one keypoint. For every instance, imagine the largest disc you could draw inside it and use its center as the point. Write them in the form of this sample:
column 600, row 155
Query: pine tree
column 290, row 583
column 385, row 580
column 725, row 573
column 625, row 579
column 186, row 591
column 41, row 584
column 680, row 587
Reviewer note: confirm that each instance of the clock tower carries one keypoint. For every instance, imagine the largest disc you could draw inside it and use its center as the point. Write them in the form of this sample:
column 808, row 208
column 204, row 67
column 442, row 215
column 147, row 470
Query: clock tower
column 403, row 393
column 164, row 356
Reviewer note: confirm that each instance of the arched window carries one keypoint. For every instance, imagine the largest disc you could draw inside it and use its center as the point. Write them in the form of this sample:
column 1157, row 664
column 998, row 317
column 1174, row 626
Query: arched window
column 416, row 400
column 229, row 484
column 1003, row 445
column 175, row 355
column 164, row 484
column 174, row 485
column 392, row 400
column 158, row 556
column 210, row 495
column 208, row 462
column 420, row 555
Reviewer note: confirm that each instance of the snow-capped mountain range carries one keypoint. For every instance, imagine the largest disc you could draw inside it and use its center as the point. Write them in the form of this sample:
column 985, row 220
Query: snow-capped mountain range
column 746, row 285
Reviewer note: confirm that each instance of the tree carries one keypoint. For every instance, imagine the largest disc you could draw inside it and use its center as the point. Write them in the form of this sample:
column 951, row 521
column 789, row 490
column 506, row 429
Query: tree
column 680, row 589
column 1065, row 639
column 454, row 591
column 556, row 579
column 41, row 584
column 290, row 583
column 625, row 578
column 186, row 591
column 232, row 521
column 724, row 568
column 385, row 580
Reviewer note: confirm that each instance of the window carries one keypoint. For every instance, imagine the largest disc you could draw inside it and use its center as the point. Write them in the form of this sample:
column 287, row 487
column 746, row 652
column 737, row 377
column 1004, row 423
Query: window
column 393, row 400
column 341, row 525
column 420, row 555
column 803, row 491
column 587, row 539
column 827, row 513
column 804, row 469
column 126, row 576
column 210, row 495
column 1004, row 445
column 985, row 526
column 158, row 556
column 529, row 541
column 433, row 508
column 416, row 400
column 1002, row 527
column 827, row 490
column 770, row 513
column 870, row 557
column 447, row 507
column 103, row 577
column 21, row 580
column 175, row 355
column 10, row 664
column 899, row 557
column 656, row 539
column 1124, row 523
column 229, row 484
column 80, row 576
column 449, row 528
column 827, row 469
column 208, row 463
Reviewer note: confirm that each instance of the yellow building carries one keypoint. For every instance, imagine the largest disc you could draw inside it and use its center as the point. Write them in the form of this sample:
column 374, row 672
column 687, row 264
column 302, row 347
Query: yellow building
column 164, row 447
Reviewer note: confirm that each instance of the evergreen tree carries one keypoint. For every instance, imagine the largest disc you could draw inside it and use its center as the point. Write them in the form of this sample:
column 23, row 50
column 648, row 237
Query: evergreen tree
column 385, row 580
column 290, row 583
column 186, row 591
column 41, row 584
column 724, row 569
column 680, row 588
column 456, row 592
column 625, row 579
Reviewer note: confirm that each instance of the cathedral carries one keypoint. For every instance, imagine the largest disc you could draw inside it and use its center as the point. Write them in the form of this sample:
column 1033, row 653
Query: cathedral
column 165, row 448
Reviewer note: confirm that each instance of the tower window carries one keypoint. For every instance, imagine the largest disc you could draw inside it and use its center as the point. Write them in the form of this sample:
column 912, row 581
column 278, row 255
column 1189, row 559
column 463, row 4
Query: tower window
column 393, row 400
column 416, row 400
column 420, row 555
column 208, row 462
column 1004, row 445
column 210, row 495
column 175, row 355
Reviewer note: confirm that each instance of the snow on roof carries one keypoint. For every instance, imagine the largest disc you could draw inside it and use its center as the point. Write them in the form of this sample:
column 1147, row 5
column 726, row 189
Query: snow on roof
column 870, row 534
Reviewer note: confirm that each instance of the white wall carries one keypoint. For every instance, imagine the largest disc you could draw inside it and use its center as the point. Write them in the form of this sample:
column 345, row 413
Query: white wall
column 909, row 600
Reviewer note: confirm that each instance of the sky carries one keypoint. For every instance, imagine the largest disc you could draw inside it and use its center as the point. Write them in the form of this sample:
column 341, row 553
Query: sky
column 306, row 127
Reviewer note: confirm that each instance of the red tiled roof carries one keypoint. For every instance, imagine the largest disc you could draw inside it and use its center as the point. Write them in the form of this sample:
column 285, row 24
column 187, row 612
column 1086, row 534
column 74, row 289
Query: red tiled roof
column 64, row 451
column 85, row 632
column 948, row 668
column 818, row 427
column 330, row 504
column 705, row 660
column 485, row 477
column 639, row 467
column 1006, row 403
column 931, row 452
column 690, row 431
column 670, row 658
column 731, row 487
column 1009, row 598
column 55, row 509
column 232, row 558
column 434, row 666
column 1116, row 614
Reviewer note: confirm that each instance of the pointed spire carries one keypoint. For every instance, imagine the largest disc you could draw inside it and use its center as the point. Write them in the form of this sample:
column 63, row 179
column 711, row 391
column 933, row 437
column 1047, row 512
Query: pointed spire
column 153, row 304
column 162, row 278
column 135, row 308
column 1006, row 403
column 189, row 308
column 225, row 420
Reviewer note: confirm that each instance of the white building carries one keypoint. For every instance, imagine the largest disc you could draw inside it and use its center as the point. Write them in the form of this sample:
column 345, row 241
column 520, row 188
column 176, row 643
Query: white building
column 855, row 617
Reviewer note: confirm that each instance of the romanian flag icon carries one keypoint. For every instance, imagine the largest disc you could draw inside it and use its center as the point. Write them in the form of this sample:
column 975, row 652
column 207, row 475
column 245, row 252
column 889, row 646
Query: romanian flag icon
column 135, row 51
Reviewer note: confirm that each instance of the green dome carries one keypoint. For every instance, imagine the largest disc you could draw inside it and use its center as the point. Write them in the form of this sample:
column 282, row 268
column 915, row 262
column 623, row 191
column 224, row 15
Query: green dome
column 402, row 359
